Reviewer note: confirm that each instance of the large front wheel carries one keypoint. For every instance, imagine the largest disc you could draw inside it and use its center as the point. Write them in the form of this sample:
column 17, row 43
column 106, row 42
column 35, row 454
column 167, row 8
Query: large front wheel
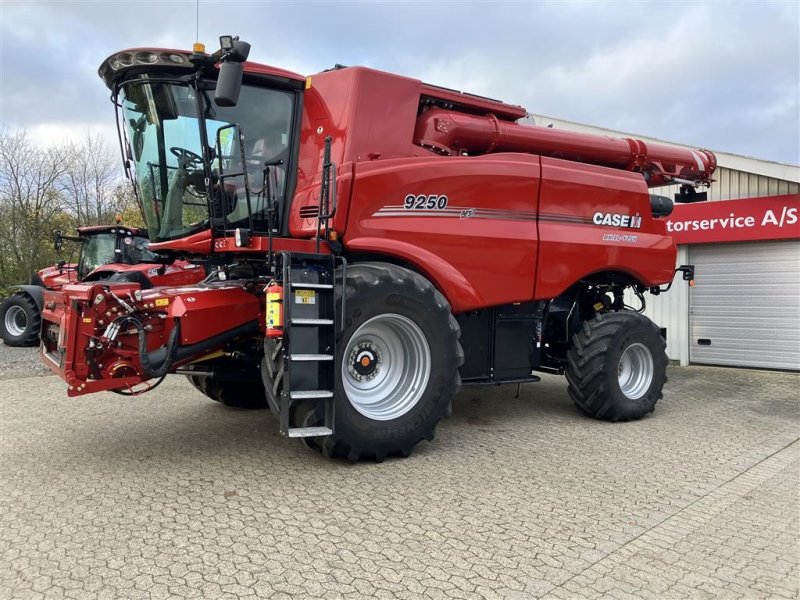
column 617, row 366
column 397, row 365
column 20, row 320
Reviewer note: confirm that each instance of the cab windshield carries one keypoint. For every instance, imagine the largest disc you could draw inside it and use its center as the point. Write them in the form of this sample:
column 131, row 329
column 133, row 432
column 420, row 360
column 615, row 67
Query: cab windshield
column 102, row 249
column 164, row 132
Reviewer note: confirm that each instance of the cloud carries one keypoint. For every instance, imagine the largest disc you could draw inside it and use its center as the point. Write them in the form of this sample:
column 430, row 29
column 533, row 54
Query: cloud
column 724, row 76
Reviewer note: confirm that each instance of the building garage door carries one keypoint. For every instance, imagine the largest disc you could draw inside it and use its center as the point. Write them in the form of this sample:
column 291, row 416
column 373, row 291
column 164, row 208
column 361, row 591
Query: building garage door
column 745, row 309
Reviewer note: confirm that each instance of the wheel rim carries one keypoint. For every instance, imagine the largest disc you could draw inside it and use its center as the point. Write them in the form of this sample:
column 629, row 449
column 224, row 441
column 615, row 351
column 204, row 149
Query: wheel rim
column 636, row 369
column 386, row 366
column 16, row 321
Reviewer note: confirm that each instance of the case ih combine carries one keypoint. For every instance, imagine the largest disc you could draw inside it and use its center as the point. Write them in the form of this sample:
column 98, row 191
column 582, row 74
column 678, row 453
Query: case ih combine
column 377, row 242
column 107, row 252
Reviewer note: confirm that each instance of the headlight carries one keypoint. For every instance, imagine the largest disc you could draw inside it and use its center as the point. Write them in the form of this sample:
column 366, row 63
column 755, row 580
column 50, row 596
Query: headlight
column 147, row 58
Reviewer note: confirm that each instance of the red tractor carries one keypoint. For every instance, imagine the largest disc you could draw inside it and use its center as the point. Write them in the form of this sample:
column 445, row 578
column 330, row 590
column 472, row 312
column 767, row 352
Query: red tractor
column 376, row 243
column 107, row 252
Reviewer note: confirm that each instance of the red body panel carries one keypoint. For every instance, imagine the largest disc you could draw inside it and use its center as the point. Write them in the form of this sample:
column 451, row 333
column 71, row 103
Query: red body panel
column 573, row 245
column 205, row 311
column 511, row 231
column 369, row 115
column 55, row 277
column 202, row 243
column 480, row 249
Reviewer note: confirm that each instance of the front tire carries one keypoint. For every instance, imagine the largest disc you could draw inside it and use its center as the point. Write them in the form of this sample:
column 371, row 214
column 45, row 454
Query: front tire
column 617, row 366
column 240, row 387
column 397, row 362
column 20, row 321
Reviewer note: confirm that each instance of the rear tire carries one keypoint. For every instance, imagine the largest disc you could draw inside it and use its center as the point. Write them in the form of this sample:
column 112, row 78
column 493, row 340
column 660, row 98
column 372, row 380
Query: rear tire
column 617, row 366
column 20, row 321
column 241, row 387
column 397, row 362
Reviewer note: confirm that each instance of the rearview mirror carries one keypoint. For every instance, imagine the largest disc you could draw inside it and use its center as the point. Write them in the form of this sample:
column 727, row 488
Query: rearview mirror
column 229, row 83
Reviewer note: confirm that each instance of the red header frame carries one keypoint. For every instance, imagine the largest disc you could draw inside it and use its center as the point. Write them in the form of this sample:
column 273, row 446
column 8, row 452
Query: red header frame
column 747, row 219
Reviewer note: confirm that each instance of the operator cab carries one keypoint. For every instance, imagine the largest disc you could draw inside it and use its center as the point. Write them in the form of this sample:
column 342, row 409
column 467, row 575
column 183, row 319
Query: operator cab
column 200, row 157
column 100, row 246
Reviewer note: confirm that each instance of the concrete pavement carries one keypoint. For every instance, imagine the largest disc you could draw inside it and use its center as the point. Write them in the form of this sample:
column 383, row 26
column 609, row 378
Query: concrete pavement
column 171, row 495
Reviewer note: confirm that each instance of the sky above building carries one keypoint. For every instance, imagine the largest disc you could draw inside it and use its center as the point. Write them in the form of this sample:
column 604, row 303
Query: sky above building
column 718, row 75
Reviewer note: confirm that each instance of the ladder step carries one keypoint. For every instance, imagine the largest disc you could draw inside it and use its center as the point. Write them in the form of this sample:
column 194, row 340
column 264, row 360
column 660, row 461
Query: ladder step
column 313, row 286
column 311, row 357
column 297, row 432
column 311, row 394
column 311, row 321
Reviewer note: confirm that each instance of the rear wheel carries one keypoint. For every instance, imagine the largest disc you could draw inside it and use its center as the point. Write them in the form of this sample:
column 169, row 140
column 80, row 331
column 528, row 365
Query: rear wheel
column 20, row 320
column 397, row 363
column 232, row 384
column 617, row 366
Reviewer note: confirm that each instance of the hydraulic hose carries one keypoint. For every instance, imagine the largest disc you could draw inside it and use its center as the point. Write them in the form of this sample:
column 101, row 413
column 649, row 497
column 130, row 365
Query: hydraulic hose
column 156, row 364
column 144, row 357
column 175, row 352
column 169, row 357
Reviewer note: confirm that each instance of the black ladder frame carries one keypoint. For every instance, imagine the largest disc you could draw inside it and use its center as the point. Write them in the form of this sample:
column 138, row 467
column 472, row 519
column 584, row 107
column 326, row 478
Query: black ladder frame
column 309, row 337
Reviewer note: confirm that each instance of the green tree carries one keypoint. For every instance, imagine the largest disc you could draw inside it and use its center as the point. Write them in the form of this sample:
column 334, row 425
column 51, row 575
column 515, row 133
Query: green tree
column 30, row 203
column 89, row 185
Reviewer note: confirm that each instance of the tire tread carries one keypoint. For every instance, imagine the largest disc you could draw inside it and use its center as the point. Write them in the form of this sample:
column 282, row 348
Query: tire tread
column 30, row 337
column 588, row 384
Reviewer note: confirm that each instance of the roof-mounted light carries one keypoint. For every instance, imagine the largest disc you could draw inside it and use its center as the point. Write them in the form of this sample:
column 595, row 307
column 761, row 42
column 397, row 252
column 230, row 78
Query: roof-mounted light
column 226, row 42
column 133, row 61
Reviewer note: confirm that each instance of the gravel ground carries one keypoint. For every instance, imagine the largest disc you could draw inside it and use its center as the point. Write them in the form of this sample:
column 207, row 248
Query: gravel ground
column 20, row 362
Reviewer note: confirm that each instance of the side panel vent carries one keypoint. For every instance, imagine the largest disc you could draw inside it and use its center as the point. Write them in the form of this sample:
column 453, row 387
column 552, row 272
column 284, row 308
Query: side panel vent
column 309, row 211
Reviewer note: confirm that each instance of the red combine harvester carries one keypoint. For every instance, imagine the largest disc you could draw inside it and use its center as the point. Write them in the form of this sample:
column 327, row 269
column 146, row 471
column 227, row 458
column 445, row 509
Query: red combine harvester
column 377, row 242
column 107, row 252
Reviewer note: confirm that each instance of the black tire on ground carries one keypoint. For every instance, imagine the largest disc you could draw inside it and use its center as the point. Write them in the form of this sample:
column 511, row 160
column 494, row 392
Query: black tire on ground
column 272, row 372
column 617, row 366
column 402, row 310
column 20, row 320
column 241, row 388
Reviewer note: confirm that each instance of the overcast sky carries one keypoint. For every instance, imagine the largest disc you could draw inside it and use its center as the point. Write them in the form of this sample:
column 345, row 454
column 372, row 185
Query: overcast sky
column 725, row 76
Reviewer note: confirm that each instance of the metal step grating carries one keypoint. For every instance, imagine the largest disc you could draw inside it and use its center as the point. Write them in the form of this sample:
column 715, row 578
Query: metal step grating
column 298, row 432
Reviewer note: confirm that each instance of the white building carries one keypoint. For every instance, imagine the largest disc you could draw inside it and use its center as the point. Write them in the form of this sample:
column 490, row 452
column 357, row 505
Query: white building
column 745, row 244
